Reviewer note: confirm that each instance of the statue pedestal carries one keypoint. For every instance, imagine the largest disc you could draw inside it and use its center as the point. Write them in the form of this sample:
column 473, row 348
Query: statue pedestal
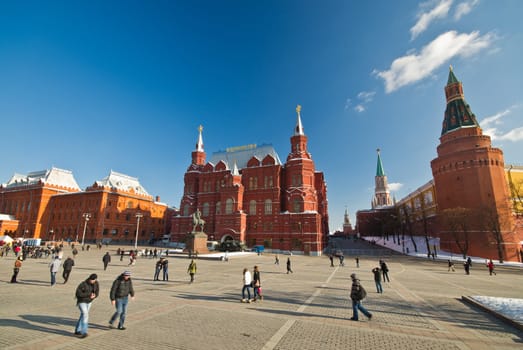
column 197, row 242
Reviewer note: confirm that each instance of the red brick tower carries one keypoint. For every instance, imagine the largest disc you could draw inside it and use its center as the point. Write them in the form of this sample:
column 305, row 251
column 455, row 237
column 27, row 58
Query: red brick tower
column 469, row 173
column 299, row 171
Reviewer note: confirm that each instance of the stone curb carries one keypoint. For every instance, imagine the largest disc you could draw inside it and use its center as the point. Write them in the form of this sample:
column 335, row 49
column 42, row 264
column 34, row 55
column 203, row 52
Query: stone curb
column 505, row 319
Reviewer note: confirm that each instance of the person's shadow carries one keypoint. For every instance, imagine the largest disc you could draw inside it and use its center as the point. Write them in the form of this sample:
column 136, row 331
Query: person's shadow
column 45, row 323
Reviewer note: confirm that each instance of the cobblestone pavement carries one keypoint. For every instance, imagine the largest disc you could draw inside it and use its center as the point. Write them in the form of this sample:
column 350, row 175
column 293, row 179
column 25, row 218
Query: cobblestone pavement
column 308, row 309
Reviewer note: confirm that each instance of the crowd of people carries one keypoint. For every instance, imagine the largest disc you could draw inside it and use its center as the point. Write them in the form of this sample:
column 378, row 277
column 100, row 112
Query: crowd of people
column 122, row 288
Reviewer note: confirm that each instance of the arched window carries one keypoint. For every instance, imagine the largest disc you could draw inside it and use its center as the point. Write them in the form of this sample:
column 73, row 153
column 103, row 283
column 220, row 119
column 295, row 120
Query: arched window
column 228, row 206
column 205, row 209
column 297, row 205
column 268, row 207
column 218, row 207
column 129, row 205
column 186, row 210
column 252, row 207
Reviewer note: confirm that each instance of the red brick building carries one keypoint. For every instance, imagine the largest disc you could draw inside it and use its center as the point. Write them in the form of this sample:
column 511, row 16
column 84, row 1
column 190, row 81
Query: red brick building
column 50, row 205
column 248, row 195
column 467, row 205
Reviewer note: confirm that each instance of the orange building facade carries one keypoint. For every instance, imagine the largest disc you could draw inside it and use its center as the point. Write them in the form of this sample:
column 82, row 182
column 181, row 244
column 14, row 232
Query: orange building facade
column 246, row 194
column 50, row 205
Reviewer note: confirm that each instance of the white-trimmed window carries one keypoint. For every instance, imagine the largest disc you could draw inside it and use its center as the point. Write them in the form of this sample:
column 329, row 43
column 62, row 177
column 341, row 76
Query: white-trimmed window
column 228, row 206
column 268, row 207
column 205, row 209
column 252, row 207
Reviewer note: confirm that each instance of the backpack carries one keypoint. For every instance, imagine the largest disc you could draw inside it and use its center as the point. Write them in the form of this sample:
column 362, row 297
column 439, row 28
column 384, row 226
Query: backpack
column 363, row 293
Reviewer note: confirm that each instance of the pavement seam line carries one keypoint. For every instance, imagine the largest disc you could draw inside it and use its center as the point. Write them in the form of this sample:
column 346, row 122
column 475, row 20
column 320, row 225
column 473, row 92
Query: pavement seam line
column 275, row 339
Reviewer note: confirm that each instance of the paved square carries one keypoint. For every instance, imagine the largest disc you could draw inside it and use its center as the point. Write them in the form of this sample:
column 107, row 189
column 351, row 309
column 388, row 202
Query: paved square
column 309, row 309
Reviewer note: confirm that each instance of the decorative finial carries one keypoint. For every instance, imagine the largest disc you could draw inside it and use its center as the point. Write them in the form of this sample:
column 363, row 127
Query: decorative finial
column 450, row 67
column 298, row 109
column 378, row 150
column 200, row 128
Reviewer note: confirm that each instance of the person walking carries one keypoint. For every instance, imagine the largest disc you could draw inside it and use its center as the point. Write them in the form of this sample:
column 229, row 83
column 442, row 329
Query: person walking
column 121, row 289
column 247, row 283
column 54, row 267
column 106, row 260
column 357, row 261
column 256, row 283
column 384, row 270
column 157, row 269
column 289, row 269
column 377, row 279
column 68, row 267
column 490, row 266
column 191, row 270
column 16, row 269
column 451, row 266
column 86, row 292
column 276, row 260
column 165, row 268
column 466, row 266
column 357, row 294
column 331, row 258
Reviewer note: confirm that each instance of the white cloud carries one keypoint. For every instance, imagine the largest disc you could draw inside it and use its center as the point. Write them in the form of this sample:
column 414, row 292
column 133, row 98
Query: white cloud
column 464, row 8
column 395, row 186
column 359, row 108
column 414, row 67
column 440, row 10
column 513, row 135
column 366, row 96
column 489, row 126
column 495, row 119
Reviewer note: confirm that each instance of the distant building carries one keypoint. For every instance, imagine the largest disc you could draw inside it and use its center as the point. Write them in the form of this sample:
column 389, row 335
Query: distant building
column 246, row 194
column 474, row 202
column 49, row 204
column 381, row 190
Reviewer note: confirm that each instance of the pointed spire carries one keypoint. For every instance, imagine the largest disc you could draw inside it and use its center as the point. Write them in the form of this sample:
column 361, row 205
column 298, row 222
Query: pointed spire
column 199, row 145
column 299, row 126
column 379, row 168
column 346, row 219
column 458, row 113
column 452, row 78
column 235, row 170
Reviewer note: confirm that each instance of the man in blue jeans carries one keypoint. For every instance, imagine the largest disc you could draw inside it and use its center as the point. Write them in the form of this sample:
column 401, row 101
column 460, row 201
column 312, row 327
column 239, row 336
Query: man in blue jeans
column 86, row 292
column 120, row 291
column 357, row 294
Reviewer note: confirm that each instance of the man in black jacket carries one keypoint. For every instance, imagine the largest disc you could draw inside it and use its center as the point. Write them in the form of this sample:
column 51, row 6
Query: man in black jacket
column 68, row 267
column 357, row 294
column 120, row 291
column 86, row 292
column 106, row 260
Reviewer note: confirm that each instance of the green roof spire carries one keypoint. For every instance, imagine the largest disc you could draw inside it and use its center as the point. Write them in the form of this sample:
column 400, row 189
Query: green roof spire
column 458, row 113
column 379, row 168
column 452, row 78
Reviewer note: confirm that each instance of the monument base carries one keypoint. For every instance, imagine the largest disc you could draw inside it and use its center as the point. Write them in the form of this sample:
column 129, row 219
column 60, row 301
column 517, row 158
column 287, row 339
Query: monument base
column 197, row 243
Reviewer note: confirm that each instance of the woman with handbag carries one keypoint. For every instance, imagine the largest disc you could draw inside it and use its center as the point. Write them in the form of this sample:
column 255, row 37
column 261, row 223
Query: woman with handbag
column 256, row 283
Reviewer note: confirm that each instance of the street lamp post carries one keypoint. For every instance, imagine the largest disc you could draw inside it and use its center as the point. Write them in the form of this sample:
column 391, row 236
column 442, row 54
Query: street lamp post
column 138, row 216
column 86, row 216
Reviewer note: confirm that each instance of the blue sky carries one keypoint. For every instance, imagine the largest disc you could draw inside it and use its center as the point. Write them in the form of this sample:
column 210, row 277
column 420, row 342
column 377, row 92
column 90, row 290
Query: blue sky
column 92, row 86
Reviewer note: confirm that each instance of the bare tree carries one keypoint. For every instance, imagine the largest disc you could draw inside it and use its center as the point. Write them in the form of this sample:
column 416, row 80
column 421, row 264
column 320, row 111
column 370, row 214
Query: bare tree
column 493, row 219
column 457, row 222
column 405, row 215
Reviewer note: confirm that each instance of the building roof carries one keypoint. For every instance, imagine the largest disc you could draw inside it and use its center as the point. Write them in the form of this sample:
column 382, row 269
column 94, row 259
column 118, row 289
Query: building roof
column 458, row 113
column 379, row 167
column 452, row 78
column 53, row 176
column 7, row 217
column 122, row 182
column 241, row 155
